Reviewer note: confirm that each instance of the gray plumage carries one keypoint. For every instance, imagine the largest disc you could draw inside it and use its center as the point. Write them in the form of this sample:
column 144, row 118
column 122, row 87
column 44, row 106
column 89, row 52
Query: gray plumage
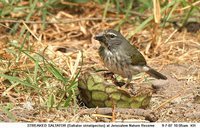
column 122, row 58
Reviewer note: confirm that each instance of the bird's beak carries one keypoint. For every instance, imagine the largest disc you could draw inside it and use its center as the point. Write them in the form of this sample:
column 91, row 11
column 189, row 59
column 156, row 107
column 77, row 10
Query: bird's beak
column 100, row 37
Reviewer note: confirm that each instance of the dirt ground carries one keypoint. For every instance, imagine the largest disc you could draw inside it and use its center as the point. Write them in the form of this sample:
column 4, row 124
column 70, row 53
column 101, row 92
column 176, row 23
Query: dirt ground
column 181, row 94
column 175, row 54
column 174, row 100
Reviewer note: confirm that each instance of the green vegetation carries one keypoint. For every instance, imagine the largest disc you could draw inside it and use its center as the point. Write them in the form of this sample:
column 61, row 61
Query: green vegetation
column 27, row 71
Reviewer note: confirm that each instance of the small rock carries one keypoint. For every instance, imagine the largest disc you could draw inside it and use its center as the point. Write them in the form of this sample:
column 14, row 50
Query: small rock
column 28, row 105
column 156, row 84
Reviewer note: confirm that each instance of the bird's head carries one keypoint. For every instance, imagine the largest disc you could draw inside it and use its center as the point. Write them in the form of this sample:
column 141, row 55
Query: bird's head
column 110, row 38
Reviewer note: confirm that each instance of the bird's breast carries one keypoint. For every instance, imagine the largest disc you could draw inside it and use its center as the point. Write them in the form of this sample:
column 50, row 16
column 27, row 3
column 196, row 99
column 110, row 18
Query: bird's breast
column 117, row 63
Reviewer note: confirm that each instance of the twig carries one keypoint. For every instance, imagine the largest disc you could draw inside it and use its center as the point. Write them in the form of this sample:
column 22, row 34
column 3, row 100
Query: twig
column 148, row 114
column 189, row 6
column 57, row 22
column 74, row 4
column 132, row 12
column 100, row 115
column 30, row 31
column 113, row 113
column 169, row 100
column 170, row 36
column 69, row 3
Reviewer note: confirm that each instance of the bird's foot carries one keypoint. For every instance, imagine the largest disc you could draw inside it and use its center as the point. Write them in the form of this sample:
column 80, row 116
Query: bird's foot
column 130, row 88
column 120, row 84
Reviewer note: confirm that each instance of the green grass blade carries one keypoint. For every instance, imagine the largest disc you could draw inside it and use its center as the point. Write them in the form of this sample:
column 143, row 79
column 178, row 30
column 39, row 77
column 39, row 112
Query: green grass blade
column 106, row 9
column 144, row 24
column 18, row 80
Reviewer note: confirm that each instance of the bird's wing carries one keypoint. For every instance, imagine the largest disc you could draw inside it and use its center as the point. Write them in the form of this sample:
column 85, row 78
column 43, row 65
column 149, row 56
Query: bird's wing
column 136, row 56
column 138, row 60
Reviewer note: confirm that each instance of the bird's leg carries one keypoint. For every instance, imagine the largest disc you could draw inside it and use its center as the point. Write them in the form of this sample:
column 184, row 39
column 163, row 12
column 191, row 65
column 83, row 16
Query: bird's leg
column 116, row 82
column 127, row 82
column 130, row 88
column 113, row 78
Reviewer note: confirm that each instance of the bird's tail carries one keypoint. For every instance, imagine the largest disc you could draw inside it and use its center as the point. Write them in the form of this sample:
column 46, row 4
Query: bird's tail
column 156, row 74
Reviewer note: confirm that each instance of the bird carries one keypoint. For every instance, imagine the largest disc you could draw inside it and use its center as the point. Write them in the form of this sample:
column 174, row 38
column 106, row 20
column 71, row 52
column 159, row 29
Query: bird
column 121, row 57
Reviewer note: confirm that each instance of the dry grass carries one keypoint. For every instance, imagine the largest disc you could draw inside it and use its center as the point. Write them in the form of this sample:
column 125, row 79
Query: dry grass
column 39, row 82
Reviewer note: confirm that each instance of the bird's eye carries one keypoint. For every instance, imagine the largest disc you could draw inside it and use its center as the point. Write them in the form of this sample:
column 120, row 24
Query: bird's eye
column 112, row 35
